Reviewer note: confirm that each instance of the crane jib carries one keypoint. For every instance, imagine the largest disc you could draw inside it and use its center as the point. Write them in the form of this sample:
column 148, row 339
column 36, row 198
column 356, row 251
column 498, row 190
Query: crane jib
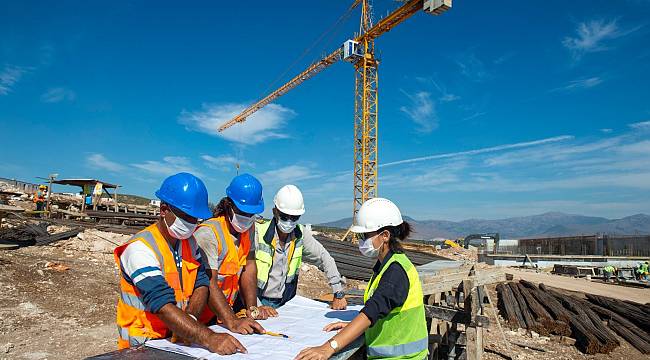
column 402, row 13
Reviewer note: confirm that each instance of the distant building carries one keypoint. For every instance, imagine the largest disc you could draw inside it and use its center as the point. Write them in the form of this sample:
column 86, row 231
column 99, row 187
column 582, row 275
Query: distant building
column 154, row 203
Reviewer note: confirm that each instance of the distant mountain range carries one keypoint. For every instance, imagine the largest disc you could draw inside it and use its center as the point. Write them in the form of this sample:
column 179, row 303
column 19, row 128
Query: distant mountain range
column 547, row 224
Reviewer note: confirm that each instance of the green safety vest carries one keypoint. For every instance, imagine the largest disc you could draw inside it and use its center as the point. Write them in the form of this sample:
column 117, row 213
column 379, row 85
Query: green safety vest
column 609, row 269
column 265, row 251
column 402, row 334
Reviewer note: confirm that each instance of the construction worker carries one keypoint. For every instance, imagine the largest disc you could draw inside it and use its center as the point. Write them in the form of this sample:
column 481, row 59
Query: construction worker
column 226, row 241
column 393, row 315
column 280, row 245
column 163, row 286
column 642, row 271
column 608, row 271
column 40, row 197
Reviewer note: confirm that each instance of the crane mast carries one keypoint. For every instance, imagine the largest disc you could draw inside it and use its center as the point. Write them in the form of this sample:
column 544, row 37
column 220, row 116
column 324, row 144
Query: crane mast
column 365, row 114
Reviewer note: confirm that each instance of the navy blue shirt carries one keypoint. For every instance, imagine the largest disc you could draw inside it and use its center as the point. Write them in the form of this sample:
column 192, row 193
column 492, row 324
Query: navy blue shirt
column 391, row 292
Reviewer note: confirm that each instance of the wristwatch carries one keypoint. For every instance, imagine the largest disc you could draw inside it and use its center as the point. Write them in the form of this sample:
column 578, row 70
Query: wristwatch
column 255, row 312
column 339, row 295
column 334, row 344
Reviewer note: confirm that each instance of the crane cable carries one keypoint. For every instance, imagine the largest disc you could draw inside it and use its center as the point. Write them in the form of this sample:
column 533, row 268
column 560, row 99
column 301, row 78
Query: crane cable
column 336, row 24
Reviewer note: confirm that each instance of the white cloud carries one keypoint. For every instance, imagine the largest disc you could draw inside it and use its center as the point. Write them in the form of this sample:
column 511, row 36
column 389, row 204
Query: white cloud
column 224, row 162
column 168, row 166
column 449, row 98
column 584, row 83
column 58, row 94
column 550, row 152
column 472, row 67
column 644, row 125
column 641, row 147
column 288, row 175
column 99, row 161
column 265, row 124
column 9, row 76
column 421, row 110
column 619, row 162
column 606, row 131
column 480, row 151
column 591, row 36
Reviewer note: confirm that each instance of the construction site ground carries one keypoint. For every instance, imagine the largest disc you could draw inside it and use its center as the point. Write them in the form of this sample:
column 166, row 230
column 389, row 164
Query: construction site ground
column 58, row 301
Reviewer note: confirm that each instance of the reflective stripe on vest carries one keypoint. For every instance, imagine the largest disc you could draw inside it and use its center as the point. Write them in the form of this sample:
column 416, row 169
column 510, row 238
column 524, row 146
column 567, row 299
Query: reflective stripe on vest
column 234, row 260
column 131, row 341
column 135, row 322
column 265, row 253
column 402, row 334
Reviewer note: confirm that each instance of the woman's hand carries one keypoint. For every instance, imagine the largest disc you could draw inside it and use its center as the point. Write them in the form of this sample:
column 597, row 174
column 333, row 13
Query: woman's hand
column 335, row 326
column 322, row 352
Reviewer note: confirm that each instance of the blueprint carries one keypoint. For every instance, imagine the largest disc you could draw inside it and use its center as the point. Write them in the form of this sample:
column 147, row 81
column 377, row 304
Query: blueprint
column 301, row 319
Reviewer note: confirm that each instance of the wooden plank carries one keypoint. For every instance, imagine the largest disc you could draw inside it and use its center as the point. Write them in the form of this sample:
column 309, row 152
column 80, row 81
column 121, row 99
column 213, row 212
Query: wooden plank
column 452, row 315
column 474, row 333
column 452, row 281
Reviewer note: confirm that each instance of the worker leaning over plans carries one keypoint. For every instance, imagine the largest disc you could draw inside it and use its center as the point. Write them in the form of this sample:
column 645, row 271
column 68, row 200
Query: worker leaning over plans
column 163, row 285
column 392, row 318
column 226, row 241
column 281, row 243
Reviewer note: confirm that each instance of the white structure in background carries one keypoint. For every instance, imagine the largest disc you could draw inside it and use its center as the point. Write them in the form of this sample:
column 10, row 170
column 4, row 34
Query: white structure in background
column 154, row 202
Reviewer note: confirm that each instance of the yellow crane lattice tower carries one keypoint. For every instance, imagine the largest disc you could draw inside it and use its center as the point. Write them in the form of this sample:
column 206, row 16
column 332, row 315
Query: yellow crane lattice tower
column 365, row 116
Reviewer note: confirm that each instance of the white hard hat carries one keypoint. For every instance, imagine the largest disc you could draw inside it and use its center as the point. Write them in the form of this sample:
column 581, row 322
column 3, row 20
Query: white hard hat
column 289, row 200
column 376, row 213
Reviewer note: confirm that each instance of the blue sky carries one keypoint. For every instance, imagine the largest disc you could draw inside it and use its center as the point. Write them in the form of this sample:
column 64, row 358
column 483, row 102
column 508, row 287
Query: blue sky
column 485, row 112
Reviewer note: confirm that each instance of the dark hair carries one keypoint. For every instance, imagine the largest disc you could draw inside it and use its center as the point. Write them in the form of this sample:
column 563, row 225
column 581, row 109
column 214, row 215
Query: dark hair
column 222, row 207
column 397, row 234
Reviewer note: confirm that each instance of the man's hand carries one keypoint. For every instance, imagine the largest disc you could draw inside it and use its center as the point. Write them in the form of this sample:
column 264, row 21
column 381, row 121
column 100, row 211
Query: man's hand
column 179, row 340
column 245, row 326
column 224, row 344
column 339, row 304
column 265, row 312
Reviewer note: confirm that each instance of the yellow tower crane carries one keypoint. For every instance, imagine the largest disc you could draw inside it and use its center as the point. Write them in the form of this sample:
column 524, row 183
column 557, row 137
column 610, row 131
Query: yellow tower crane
column 359, row 51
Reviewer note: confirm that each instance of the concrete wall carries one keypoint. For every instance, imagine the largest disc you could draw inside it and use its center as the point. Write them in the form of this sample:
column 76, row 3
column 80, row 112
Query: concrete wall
column 27, row 188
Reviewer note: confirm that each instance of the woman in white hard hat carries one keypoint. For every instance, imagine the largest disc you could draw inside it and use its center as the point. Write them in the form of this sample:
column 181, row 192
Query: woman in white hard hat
column 393, row 316
column 281, row 243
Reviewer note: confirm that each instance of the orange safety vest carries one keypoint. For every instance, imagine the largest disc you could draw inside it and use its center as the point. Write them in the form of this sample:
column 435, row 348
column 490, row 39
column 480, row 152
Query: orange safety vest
column 233, row 261
column 135, row 324
column 39, row 196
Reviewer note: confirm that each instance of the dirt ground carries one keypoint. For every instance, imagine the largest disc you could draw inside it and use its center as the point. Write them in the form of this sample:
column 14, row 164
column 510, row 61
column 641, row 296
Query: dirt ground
column 51, row 313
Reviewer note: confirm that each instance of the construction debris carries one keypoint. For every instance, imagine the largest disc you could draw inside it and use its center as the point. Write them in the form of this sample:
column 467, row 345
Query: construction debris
column 546, row 311
column 56, row 266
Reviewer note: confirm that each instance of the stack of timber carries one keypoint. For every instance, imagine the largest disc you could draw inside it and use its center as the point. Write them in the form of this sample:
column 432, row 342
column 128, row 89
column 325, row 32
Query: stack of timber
column 592, row 323
column 353, row 265
column 30, row 233
column 629, row 320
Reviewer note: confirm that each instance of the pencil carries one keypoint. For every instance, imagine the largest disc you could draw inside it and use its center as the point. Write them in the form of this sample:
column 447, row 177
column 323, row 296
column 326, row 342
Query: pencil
column 276, row 334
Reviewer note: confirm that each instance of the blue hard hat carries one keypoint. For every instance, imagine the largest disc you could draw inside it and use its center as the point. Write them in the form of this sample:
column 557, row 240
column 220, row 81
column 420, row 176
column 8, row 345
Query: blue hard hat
column 186, row 193
column 246, row 192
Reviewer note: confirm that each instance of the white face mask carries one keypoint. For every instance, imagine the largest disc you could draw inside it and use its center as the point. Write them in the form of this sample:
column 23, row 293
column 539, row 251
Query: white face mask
column 241, row 223
column 180, row 229
column 367, row 248
column 286, row 226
